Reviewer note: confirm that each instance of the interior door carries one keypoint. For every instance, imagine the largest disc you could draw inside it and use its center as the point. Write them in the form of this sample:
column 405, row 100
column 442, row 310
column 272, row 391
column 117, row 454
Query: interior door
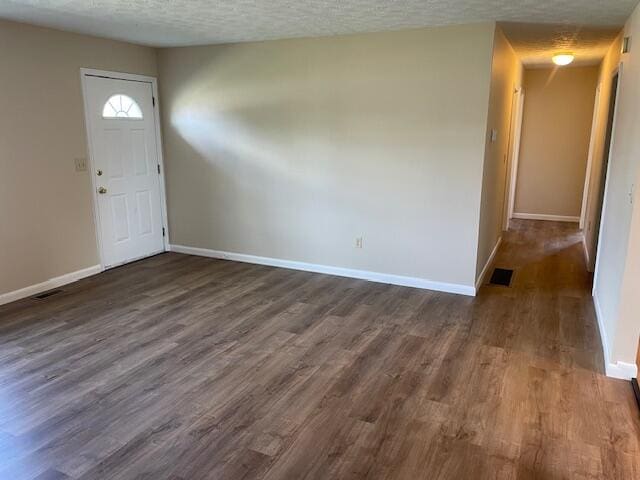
column 122, row 130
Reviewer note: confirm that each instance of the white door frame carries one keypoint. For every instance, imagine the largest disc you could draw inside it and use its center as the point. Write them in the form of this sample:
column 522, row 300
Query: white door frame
column 90, row 72
column 592, row 143
column 515, row 154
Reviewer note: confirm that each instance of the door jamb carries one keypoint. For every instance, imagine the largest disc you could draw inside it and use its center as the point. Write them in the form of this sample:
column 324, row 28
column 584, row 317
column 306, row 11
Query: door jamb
column 515, row 154
column 592, row 142
column 90, row 72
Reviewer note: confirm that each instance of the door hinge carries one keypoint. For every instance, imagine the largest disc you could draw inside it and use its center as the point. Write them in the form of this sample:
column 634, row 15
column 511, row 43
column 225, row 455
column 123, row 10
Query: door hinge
column 158, row 169
column 163, row 232
column 153, row 100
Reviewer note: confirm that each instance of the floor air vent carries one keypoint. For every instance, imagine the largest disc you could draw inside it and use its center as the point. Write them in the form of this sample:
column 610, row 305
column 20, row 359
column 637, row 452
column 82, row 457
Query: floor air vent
column 501, row 276
column 48, row 294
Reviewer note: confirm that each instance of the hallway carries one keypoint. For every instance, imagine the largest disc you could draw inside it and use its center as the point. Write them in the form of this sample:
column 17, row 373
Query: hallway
column 232, row 371
column 549, row 303
column 573, row 418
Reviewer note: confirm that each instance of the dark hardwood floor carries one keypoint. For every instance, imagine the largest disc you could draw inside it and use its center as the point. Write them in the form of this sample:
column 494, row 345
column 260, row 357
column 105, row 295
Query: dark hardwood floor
column 181, row 367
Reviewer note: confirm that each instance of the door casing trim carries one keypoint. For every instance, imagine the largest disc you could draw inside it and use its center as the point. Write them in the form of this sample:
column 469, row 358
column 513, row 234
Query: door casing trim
column 515, row 156
column 90, row 72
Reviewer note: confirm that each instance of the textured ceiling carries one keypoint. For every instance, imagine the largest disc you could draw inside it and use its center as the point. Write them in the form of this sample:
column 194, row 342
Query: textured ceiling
column 535, row 44
column 192, row 22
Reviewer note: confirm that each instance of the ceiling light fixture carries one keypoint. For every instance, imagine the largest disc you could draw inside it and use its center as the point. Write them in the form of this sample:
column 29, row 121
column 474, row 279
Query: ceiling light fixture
column 562, row 59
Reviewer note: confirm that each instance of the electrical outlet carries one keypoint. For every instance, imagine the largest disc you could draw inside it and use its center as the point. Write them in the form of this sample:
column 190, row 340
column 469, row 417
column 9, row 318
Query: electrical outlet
column 359, row 242
column 81, row 164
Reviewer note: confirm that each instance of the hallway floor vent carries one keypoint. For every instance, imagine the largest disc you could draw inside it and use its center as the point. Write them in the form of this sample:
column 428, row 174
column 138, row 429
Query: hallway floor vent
column 48, row 294
column 501, row 276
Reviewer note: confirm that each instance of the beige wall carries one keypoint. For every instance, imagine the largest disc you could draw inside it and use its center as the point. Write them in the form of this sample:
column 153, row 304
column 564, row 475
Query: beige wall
column 616, row 282
column 45, row 206
column 291, row 149
column 556, row 126
column 596, row 190
column 506, row 76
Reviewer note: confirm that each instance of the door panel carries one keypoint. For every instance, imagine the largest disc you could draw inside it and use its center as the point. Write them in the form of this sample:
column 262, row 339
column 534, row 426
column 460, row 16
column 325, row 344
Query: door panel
column 124, row 162
column 120, row 213
column 145, row 215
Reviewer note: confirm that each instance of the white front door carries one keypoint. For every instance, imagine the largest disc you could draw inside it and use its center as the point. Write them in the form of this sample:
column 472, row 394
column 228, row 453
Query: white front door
column 122, row 130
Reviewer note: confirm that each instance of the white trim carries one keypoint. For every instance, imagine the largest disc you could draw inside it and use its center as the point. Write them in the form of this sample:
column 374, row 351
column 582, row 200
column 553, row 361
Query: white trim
column 84, row 73
column 592, row 141
column 117, row 75
column 505, row 201
column 49, row 284
column 487, row 265
column 623, row 370
column 330, row 270
column 515, row 155
column 543, row 216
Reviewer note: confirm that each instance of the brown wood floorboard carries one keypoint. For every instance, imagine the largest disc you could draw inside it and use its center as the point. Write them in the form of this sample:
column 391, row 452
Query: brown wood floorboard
column 180, row 367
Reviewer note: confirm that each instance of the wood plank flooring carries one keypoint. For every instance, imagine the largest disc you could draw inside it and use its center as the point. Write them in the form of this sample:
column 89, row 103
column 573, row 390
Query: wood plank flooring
column 180, row 367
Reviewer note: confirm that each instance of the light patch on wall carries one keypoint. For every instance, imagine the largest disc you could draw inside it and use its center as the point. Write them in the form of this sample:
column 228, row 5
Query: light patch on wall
column 214, row 120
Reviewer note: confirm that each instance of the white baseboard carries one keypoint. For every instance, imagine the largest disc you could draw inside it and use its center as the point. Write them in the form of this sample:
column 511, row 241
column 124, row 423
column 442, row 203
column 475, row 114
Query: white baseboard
column 623, row 370
column 329, row 270
column 48, row 284
column 487, row 265
column 542, row 216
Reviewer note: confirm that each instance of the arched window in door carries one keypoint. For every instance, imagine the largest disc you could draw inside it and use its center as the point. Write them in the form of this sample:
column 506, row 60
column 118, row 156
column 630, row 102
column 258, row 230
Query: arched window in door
column 121, row 106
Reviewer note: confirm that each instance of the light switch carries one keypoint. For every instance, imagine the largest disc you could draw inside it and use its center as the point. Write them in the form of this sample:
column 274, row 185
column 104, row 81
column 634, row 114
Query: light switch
column 81, row 164
column 494, row 135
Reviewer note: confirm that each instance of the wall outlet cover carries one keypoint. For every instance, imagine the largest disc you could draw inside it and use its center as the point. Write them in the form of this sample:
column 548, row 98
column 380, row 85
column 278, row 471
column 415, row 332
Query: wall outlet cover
column 81, row 164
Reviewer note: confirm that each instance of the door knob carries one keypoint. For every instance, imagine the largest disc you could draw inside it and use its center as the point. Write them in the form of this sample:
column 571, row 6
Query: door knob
column 102, row 190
